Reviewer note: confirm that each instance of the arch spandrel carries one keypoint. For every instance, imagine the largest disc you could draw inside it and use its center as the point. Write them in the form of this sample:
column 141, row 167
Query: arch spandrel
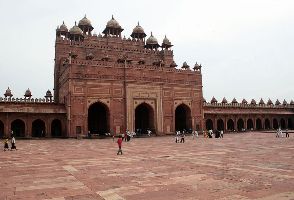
column 139, row 102
column 106, row 102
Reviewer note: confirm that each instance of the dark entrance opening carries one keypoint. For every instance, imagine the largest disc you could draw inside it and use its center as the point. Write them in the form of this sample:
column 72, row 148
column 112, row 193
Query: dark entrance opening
column 283, row 124
column 258, row 124
column 267, row 124
column 240, row 124
column 249, row 124
column 144, row 119
column 56, row 130
column 18, row 128
column 98, row 119
column 290, row 124
column 230, row 125
column 38, row 128
column 220, row 125
column 1, row 129
column 209, row 124
column 183, row 118
column 275, row 124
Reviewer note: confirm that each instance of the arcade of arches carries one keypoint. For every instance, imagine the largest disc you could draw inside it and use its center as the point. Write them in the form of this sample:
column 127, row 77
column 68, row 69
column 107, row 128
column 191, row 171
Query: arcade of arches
column 248, row 123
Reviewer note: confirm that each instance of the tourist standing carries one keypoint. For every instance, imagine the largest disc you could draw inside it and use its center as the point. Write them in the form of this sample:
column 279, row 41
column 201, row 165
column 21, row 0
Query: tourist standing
column 221, row 133
column 183, row 137
column 13, row 146
column 287, row 134
column 119, row 143
column 6, row 146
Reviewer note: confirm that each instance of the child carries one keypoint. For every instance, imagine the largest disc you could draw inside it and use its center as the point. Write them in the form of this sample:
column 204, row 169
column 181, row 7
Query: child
column 13, row 143
column 6, row 147
column 119, row 142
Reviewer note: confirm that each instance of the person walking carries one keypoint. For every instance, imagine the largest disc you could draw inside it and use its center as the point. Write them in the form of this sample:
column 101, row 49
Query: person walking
column 287, row 134
column 6, row 146
column 183, row 137
column 221, row 133
column 13, row 146
column 119, row 143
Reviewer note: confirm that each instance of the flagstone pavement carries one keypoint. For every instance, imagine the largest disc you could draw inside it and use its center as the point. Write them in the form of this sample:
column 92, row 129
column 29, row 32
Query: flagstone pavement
column 243, row 166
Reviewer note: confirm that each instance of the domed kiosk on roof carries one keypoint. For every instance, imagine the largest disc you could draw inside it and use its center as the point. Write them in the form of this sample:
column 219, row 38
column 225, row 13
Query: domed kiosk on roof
column 28, row 93
column 185, row 65
column 234, row 101
column 224, row 101
column 269, row 102
column 261, row 102
column 244, row 101
column 166, row 44
column 253, row 102
column 213, row 100
column 75, row 33
column 138, row 32
column 113, row 28
column 278, row 102
column 151, row 42
column 62, row 30
column 85, row 25
column 8, row 93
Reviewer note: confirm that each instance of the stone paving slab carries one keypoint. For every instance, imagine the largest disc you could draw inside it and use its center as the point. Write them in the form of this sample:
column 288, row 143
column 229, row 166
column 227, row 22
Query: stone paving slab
column 247, row 166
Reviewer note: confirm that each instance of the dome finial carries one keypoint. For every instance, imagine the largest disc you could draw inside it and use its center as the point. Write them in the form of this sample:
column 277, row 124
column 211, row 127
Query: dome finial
column 151, row 33
column 75, row 23
column 112, row 16
column 85, row 16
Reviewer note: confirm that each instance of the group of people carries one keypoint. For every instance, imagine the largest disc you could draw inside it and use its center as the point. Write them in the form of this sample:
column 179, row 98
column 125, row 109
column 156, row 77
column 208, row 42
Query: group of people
column 12, row 142
column 280, row 133
column 216, row 134
column 180, row 136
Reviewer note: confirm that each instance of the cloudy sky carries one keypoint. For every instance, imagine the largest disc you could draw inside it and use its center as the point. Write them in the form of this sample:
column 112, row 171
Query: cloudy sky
column 246, row 47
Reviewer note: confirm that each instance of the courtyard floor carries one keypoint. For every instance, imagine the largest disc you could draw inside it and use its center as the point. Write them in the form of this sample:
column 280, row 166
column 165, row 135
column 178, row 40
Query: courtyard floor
column 240, row 166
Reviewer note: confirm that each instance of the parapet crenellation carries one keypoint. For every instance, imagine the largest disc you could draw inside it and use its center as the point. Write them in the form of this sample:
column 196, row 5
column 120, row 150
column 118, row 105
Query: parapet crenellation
column 26, row 100
column 242, row 105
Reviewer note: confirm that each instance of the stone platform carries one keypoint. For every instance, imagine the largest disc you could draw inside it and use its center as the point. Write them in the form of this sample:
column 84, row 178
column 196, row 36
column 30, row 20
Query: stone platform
column 240, row 166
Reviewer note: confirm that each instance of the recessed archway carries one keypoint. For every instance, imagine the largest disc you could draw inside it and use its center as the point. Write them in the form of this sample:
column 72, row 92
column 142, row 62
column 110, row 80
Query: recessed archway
column 56, row 128
column 220, row 125
column 283, row 123
column 290, row 123
column 258, row 124
column 230, row 125
column 183, row 118
column 209, row 124
column 18, row 128
column 267, row 124
column 250, row 124
column 38, row 128
column 240, row 124
column 275, row 124
column 98, row 118
column 1, row 129
column 144, row 119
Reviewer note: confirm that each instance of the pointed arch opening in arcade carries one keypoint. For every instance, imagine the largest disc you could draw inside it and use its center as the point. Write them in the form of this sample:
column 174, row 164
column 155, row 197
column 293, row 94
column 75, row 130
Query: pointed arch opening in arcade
column 283, row 123
column 275, row 124
column 144, row 119
column 267, row 124
column 183, row 118
column 220, row 125
column 290, row 123
column 18, row 128
column 98, row 119
column 230, row 125
column 1, row 129
column 209, row 124
column 38, row 128
column 258, row 124
column 250, row 124
column 240, row 124
column 56, row 129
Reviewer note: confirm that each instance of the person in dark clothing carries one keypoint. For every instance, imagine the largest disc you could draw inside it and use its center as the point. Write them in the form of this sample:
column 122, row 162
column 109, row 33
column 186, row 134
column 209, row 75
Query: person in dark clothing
column 119, row 143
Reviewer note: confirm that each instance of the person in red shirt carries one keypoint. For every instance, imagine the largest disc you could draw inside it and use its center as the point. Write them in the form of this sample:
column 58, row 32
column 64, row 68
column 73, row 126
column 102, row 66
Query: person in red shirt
column 119, row 142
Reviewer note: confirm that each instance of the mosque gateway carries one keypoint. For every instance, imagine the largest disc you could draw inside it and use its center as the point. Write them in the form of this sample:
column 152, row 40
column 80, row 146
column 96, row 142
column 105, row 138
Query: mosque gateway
column 107, row 83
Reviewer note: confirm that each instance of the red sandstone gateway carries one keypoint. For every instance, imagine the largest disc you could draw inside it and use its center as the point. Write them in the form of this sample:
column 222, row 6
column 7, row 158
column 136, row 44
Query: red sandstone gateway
column 107, row 84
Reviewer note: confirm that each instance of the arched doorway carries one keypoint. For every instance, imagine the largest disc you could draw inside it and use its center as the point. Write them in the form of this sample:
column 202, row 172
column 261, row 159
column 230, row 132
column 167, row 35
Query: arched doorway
column 230, row 125
column 275, row 124
column 1, row 129
column 240, row 124
column 98, row 119
column 38, row 128
column 267, row 124
column 56, row 130
column 283, row 123
column 209, row 124
column 258, row 124
column 18, row 128
column 290, row 123
column 183, row 118
column 144, row 119
column 220, row 125
column 249, row 124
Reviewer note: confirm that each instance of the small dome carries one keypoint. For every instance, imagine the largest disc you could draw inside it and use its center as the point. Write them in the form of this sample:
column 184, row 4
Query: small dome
column 277, row 102
column 152, row 40
column 213, row 100
column 8, row 93
column 85, row 22
column 234, row 100
column 63, row 27
column 261, row 102
column 166, row 43
column 269, row 102
column 75, row 30
column 253, row 102
column 244, row 101
column 197, row 66
column 185, row 65
column 285, row 102
column 292, row 103
column 224, row 100
column 48, row 93
column 138, row 29
column 28, row 93
column 112, row 23
column 138, row 32
column 173, row 64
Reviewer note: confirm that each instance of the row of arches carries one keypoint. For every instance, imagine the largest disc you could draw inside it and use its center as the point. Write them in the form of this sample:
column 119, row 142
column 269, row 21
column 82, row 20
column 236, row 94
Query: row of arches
column 99, row 118
column 249, row 124
column 19, row 128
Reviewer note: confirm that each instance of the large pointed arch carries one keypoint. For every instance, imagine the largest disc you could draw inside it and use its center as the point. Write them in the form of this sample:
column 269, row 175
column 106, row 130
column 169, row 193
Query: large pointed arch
column 18, row 127
column 283, row 123
column 183, row 118
column 240, row 124
column 220, row 125
column 56, row 128
column 250, row 125
column 275, row 123
column 98, row 118
column 144, row 119
column 267, row 124
column 38, row 128
column 230, row 125
column 209, row 124
column 258, row 124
